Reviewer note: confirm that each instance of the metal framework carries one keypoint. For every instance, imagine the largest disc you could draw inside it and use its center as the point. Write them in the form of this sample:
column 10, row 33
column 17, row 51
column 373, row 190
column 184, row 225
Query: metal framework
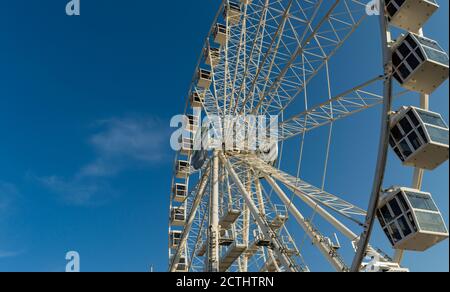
column 259, row 58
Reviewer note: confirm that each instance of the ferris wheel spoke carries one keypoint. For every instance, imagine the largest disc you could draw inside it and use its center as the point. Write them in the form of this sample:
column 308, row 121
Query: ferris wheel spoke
column 339, row 107
column 318, row 240
column 301, row 188
column 268, row 233
column 320, row 46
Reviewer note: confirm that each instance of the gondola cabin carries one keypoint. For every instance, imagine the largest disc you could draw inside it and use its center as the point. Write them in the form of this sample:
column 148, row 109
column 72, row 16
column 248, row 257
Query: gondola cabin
column 411, row 220
column 420, row 64
column 182, row 265
column 187, row 145
column 212, row 56
column 410, row 15
column 183, row 169
column 175, row 238
column 178, row 216
column 420, row 138
column 220, row 34
column 197, row 99
column 192, row 122
column 204, row 78
column 232, row 13
column 180, row 193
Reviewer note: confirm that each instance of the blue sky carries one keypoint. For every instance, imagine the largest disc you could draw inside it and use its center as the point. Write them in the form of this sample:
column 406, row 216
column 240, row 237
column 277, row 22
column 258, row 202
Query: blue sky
column 85, row 104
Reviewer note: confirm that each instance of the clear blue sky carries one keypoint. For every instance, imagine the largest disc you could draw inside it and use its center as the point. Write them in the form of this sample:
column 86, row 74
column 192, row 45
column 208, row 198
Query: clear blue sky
column 85, row 104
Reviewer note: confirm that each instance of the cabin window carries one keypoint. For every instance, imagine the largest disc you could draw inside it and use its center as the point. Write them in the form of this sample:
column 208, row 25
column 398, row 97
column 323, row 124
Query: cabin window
column 412, row 221
column 422, row 202
column 406, row 230
column 437, row 56
column 406, row 150
column 396, row 235
column 420, row 54
column 423, row 135
column 403, row 202
column 438, row 135
column 406, row 126
column 396, row 59
column 413, row 62
column 431, row 222
column 396, row 133
column 386, row 214
column 413, row 118
column 395, row 208
column 404, row 50
column 404, row 71
column 432, row 119
column 414, row 140
column 411, row 42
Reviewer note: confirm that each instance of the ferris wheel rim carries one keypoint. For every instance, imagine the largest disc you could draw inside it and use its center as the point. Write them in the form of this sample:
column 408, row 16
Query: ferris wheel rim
column 383, row 147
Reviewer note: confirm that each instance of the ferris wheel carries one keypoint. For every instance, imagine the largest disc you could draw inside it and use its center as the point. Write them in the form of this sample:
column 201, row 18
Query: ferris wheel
column 235, row 209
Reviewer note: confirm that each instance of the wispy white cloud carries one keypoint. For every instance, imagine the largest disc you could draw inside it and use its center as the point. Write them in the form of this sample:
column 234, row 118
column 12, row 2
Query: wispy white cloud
column 10, row 254
column 125, row 143
column 120, row 145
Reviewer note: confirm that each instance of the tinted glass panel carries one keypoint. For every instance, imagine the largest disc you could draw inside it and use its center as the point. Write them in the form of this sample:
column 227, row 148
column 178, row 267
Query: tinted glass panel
column 396, row 133
column 421, row 201
column 404, row 71
column 396, row 235
column 403, row 202
column 414, row 140
column 432, row 119
column 406, row 126
column 386, row 214
column 431, row 222
column 404, row 227
column 423, row 135
column 412, row 222
column 404, row 50
column 395, row 207
column 438, row 135
column 413, row 62
column 399, row 154
column 413, row 118
column 406, row 150
column 437, row 56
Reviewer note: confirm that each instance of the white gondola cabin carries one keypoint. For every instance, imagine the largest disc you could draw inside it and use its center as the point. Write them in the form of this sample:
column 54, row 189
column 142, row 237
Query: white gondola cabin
column 182, row 265
column 411, row 220
column 183, row 169
column 220, row 34
column 192, row 123
column 212, row 56
column 175, row 238
column 187, row 145
column 410, row 15
column 204, row 78
column 232, row 13
column 420, row 64
column 178, row 216
column 197, row 99
column 420, row 138
column 180, row 192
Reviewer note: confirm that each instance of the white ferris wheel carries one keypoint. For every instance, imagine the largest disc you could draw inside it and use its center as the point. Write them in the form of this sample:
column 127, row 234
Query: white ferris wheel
column 236, row 209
